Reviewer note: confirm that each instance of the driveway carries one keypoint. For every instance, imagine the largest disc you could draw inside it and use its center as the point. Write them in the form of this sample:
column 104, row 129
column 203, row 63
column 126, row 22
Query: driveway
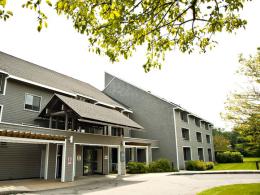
column 161, row 183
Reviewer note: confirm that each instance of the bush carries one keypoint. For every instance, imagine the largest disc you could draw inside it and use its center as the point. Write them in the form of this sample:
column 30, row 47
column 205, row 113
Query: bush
column 137, row 167
column 196, row 165
column 209, row 165
column 229, row 157
column 161, row 165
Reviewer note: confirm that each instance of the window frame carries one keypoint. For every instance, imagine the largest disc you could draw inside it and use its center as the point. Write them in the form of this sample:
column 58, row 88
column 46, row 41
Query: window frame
column 202, row 153
column 182, row 134
column 1, row 112
column 5, row 82
column 200, row 137
column 31, row 109
column 199, row 124
column 182, row 118
column 209, row 149
column 207, row 139
column 183, row 152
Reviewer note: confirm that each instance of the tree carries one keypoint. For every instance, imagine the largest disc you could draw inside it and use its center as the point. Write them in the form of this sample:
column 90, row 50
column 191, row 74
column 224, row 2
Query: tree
column 243, row 107
column 220, row 143
column 232, row 136
column 117, row 28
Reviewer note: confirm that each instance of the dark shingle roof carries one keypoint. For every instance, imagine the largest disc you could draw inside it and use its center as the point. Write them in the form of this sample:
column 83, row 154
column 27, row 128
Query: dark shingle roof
column 98, row 113
column 35, row 73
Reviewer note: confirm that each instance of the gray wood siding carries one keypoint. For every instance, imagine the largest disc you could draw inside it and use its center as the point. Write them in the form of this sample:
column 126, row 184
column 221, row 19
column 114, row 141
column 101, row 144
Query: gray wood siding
column 13, row 102
column 20, row 161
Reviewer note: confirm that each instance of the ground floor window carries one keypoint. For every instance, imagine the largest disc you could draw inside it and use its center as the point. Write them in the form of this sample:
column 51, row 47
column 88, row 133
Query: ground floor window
column 210, row 154
column 186, row 153
column 200, row 154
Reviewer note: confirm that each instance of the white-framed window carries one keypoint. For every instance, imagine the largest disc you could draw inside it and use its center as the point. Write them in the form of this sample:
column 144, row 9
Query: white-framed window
column 206, row 126
column 199, row 136
column 185, row 134
column 2, row 83
column 184, row 116
column 201, row 154
column 186, row 153
column 32, row 102
column 1, row 112
column 208, row 139
column 197, row 122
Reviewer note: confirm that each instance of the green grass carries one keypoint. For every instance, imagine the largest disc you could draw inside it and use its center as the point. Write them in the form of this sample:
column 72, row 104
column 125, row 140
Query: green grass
column 248, row 164
column 237, row 189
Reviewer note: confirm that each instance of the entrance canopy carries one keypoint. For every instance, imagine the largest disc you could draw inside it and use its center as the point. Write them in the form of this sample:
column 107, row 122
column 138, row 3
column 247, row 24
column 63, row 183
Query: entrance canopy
column 61, row 105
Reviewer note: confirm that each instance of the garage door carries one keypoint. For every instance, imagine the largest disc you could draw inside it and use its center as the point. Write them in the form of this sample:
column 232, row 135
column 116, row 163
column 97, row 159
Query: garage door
column 20, row 161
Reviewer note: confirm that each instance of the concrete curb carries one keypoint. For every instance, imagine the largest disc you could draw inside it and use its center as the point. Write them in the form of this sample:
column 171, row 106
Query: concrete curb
column 216, row 172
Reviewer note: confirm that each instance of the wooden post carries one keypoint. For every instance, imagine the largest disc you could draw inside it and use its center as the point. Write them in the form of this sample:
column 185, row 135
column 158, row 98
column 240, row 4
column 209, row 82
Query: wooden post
column 72, row 124
column 50, row 122
column 66, row 121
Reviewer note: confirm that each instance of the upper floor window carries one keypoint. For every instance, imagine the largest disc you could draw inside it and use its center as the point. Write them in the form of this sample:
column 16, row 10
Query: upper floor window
column 206, row 126
column 199, row 137
column 32, row 102
column 197, row 122
column 184, row 116
column 208, row 138
column 117, row 131
column 185, row 134
column 2, row 83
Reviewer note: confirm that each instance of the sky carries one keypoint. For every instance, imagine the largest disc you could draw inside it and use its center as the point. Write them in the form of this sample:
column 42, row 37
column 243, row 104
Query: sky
column 197, row 82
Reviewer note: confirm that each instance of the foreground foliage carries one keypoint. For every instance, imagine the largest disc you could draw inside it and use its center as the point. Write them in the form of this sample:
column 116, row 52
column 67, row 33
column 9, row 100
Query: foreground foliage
column 117, row 28
column 197, row 165
column 229, row 157
column 237, row 189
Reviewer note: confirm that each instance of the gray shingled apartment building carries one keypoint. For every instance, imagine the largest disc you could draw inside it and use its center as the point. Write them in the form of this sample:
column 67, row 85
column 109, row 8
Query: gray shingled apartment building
column 182, row 135
column 53, row 126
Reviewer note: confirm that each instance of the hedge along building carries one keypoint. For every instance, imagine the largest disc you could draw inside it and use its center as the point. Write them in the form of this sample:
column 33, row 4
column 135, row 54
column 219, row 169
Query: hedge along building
column 183, row 135
column 54, row 126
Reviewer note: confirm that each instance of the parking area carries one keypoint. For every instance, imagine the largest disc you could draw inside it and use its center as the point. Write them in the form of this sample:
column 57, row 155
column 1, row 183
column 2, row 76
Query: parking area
column 159, row 183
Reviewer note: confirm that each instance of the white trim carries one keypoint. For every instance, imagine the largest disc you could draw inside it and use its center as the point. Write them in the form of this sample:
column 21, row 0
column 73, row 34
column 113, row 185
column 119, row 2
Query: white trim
column 87, row 97
column 46, row 161
column 176, row 144
column 202, row 152
column 108, row 159
column 190, row 152
column 27, row 140
column 56, row 161
column 90, row 144
column 104, row 104
column 147, row 155
column 74, row 162
column 63, row 161
column 109, row 82
column 1, row 112
column 119, row 171
column 207, row 139
column 35, row 96
column 41, row 85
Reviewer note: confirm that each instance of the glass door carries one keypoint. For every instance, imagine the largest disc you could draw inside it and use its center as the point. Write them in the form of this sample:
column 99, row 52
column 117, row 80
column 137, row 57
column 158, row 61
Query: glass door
column 92, row 160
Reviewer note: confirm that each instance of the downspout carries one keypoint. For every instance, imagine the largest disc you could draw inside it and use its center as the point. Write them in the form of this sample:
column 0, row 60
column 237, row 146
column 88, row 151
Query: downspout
column 176, row 144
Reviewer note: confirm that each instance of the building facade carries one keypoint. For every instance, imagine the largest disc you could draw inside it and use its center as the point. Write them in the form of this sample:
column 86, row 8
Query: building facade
column 55, row 127
column 183, row 135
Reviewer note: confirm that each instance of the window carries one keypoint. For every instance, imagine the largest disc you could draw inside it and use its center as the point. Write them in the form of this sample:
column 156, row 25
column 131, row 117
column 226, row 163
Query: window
column 117, row 131
column 206, row 126
column 200, row 154
column 32, row 102
column 210, row 154
column 184, row 116
column 2, row 83
column 186, row 153
column 185, row 134
column 208, row 139
column 197, row 122
column 199, row 137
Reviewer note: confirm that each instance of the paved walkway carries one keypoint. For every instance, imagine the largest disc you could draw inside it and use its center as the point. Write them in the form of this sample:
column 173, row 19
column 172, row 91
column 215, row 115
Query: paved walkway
column 143, row 184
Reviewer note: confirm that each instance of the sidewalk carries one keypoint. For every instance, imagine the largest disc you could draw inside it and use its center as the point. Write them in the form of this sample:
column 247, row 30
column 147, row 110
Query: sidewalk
column 182, row 172
column 31, row 185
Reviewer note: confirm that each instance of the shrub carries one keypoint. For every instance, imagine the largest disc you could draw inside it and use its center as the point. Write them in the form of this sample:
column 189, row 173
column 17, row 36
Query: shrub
column 209, row 165
column 196, row 165
column 229, row 157
column 137, row 167
column 161, row 165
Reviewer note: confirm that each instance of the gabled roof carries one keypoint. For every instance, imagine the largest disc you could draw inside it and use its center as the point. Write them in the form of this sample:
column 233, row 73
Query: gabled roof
column 176, row 106
column 28, row 72
column 96, row 113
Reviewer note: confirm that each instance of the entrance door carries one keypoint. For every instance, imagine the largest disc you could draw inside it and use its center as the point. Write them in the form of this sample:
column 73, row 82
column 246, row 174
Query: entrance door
column 59, row 161
column 92, row 160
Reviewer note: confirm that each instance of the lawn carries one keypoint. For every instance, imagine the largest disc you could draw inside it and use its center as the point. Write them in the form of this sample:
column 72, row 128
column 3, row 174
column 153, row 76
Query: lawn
column 248, row 164
column 237, row 189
